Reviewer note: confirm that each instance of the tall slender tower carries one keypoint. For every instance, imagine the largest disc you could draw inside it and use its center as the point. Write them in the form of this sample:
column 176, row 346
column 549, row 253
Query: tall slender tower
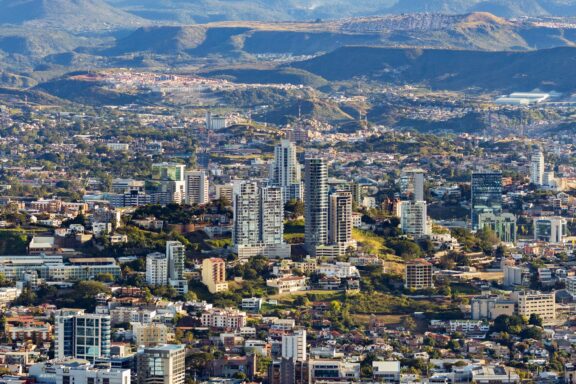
column 285, row 171
column 176, row 254
column 537, row 168
column 316, row 212
column 486, row 194
column 197, row 188
column 340, row 230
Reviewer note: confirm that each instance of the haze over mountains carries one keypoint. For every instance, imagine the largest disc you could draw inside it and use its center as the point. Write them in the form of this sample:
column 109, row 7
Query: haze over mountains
column 247, row 40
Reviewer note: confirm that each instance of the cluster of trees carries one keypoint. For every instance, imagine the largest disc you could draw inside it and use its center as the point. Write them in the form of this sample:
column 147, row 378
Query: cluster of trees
column 530, row 328
column 82, row 295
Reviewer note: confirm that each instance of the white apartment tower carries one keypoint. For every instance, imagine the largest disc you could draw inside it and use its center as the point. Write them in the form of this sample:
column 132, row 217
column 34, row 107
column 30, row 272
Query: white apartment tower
column 537, row 168
column 246, row 229
column 259, row 221
column 157, row 269
column 414, row 218
column 176, row 255
column 197, row 188
column 285, row 171
column 294, row 346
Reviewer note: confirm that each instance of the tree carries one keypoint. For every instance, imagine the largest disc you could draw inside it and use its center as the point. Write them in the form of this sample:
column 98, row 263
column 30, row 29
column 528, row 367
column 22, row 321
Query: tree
column 294, row 208
column 535, row 319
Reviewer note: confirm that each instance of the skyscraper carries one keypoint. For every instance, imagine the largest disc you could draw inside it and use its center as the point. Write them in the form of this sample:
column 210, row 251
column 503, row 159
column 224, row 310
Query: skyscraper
column 537, row 168
column 285, row 171
column 246, row 230
column 271, row 215
column 82, row 336
column 412, row 185
column 259, row 221
column 486, row 194
column 197, row 188
column 316, row 204
column 176, row 254
column 340, row 228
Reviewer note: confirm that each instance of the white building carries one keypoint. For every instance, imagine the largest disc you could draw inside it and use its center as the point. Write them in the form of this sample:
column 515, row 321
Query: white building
column 537, row 168
column 387, row 372
column 197, row 188
column 550, row 229
column 285, row 171
column 259, row 221
column 339, row 269
column 77, row 372
column 414, row 218
column 176, row 254
column 157, row 269
column 294, row 346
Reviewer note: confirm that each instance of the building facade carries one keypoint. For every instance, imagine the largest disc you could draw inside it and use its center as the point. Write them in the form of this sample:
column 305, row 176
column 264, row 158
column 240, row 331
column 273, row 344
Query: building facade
column 316, row 204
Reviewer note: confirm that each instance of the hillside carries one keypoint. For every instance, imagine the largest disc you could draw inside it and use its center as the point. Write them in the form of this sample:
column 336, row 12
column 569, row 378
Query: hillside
column 450, row 69
column 503, row 8
column 70, row 15
column 481, row 31
column 203, row 11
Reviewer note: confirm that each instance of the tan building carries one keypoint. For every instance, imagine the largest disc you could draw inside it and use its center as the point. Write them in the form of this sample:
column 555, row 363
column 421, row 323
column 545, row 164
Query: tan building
column 534, row 302
column 151, row 334
column 418, row 275
column 161, row 365
column 288, row 284
column 214, row 275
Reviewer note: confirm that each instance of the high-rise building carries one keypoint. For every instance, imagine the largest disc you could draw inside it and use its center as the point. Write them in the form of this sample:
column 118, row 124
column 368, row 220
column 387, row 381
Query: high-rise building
column 197, row 188
column 176, row 254
column 412, row 185
column 503, row 224
column 82, row 336
column 246, row 229
column 537, row 168
column 271, row 215
column 164, row 364
column 340, row 215
column 294, row 346
column 486, row 194
column 414, row 218
column 285, row 171
column 157, row 269
column 316, row 204
column 259, row 221
column 167, row 184
column 214, row 275
column 550, row 229
column 418, row 275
